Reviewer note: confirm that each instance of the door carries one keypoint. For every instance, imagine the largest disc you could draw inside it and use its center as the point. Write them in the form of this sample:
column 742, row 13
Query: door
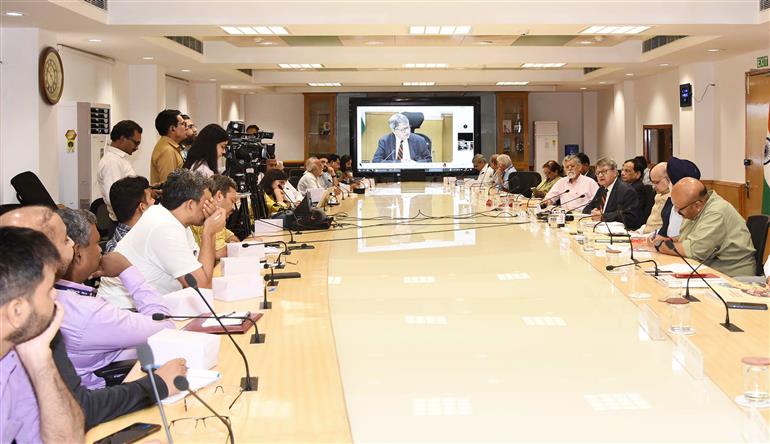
column 757, row 101
column 658, row 143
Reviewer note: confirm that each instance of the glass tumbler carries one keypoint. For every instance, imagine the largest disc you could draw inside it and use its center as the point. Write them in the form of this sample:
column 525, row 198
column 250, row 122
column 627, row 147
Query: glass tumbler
column 756, row 379
column 679, row 315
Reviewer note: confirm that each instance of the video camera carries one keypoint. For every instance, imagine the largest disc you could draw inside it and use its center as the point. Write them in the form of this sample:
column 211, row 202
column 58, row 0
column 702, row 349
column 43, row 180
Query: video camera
column 248, row 147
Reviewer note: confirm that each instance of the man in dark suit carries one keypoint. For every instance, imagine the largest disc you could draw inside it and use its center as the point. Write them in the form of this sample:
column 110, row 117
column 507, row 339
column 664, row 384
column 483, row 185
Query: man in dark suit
column 401, row 145
column 632, row 173
column 614, row 196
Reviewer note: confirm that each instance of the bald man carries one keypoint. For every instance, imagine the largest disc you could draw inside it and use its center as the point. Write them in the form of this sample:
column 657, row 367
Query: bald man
column 710, row 222
column 662, row 187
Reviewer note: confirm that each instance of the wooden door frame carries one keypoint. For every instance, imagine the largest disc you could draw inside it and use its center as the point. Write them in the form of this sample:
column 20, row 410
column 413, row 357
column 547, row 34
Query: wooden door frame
column 657, row 126
column 747, row 147
column 333, row 117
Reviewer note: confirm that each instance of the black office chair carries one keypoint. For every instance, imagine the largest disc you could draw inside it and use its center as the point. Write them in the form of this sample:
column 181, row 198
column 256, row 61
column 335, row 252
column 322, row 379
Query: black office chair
column 104, row 224
column 758, row 226
column 296, row 172
column 116, row 372
column 648, row 201
column 522, row 182
column 31, row 191
column 294, row 180
column 415, row 121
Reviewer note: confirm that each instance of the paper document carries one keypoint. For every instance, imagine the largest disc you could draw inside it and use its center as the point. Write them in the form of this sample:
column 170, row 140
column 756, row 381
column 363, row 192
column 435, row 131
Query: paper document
column 197, row 379
column 212, row 322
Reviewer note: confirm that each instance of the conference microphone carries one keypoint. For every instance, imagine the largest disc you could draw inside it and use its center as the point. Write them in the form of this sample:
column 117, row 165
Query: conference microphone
column 182, row 384
column 729, row 326
column 571, row 200
column 612, row 267
column 627, row 234
column 304, row 246
column 147, row 362
column 542, row 206
column 248, row 383
column 274, row 243
column 687, row 287
column 256, row 338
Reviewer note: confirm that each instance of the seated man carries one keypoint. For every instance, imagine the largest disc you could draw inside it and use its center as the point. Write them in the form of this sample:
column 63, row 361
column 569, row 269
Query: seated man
column 35, row 405
column 612, row 197
column 223, row 191
column 401, row 145
column 585, row 165
column 98, row 405
column 161, row 244
column 631, row 173
column 504, row 170
column 568, row 190
column 312, row 177
column 662, row 186
column 486, row 174
column 131, row 197
column 710, row 222
column 97, row 333
column 328, row 176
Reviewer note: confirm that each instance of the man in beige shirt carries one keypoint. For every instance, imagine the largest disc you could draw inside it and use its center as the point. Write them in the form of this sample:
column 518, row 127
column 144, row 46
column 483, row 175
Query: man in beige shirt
column 711, row 222
column 166, row 156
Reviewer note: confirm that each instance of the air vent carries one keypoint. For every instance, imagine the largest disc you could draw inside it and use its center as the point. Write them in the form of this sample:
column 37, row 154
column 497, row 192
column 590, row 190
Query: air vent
column 659, row 40
column 100, row 120
column 590, row 70
column 101, row 4
column 248, row 72
column 189, row 42
column 764, row 4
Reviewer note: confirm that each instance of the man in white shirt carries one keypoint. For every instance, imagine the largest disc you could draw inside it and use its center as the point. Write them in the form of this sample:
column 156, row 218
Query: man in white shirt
column 504, row 170
column 161, row 245
column 126, row 136
column 486, row 173
column 312, row 177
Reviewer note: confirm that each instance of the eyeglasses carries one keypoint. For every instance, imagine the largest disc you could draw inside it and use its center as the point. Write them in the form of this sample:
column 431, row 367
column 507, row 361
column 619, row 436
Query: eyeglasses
column 402, row 129
column 679, row 210
column 136, row 142
column 188, row 426
column 603, row 172
column 219, row 397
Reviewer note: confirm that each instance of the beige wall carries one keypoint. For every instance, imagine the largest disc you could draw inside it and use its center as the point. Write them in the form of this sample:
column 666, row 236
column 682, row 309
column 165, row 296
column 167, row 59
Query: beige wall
column 283, row 114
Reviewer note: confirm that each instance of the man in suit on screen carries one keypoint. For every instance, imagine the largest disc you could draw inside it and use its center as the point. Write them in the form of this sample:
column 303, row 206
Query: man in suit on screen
column 401, row 145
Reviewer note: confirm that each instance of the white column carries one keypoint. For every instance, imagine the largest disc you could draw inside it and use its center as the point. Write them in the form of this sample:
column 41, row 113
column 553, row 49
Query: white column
column 29, row 125
column 697, row 123
column 590, row 124
column 206, row 103
column 629, row 122
column 146, row 98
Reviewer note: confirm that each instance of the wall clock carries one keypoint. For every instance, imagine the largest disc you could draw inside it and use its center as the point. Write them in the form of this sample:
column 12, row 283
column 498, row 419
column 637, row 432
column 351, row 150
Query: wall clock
column 51, row 75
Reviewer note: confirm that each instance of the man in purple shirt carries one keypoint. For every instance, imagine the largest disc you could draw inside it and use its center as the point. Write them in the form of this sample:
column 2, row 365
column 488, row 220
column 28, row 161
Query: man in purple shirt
column 96, row 332
column 29, row 319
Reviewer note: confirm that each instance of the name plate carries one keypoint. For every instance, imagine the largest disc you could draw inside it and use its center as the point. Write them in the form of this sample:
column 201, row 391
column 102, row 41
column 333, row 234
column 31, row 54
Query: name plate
column 689, row 355
column 650, row 322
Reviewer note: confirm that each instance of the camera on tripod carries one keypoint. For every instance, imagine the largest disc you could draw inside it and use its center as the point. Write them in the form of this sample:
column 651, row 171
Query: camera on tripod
column 246, row 157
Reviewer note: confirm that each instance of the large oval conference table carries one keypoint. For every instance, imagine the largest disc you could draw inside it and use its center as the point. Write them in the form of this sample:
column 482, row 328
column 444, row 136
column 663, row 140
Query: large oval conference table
column 428, row 317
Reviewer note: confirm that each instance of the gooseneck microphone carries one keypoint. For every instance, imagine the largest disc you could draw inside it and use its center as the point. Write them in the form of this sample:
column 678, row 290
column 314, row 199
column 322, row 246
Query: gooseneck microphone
column 627, row 234
column 571, row 200
column 687, row 287
column 182, row 384
column 248, row 383
column 553, row 197
column 147, row 362
column 727, row 324
column 256, row 338
column 612, row 267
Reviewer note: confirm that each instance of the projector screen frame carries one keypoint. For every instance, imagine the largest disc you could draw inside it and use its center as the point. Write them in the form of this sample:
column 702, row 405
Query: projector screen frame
column 407, row 101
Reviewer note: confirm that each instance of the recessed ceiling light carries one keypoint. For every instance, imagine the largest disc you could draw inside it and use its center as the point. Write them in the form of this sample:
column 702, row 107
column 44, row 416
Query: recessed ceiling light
column 373, row 42
column 14, row 14
column 542, row 65
column 426, row 65
column 439, row 30
column 618, row 29
column 255, row 30
column 324, row 84
column 212, row 80
column 713, row 50
column 279, row 30
column 586, row 42
column 519, row 83
column 266, row 43
column 232, row 30
column 583, row 88
column 147, row 58
column 94, row 40
column 247, row 30
column 485, row 42
column 602, row 83
column 184, row 70
column 629, row 74
column 663, row 64
column 418, row 83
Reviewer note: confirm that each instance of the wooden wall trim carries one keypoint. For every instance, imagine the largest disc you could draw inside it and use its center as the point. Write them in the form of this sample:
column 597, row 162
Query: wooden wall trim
column 733, row 192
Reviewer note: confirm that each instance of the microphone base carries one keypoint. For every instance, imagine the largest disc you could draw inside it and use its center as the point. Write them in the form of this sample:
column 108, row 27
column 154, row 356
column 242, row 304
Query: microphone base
column 265, row 305
column 731, row 327
column 302, row 247
column 253, row 386
column 257, row 338
column 289, row 275
column 691, row 298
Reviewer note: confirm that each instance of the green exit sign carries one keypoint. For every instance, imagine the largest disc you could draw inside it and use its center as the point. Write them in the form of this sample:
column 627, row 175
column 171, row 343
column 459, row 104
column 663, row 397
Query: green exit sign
column 762, row 62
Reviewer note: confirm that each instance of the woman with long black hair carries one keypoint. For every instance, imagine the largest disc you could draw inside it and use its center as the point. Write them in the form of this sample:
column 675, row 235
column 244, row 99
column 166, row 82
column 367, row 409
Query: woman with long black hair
column 205, row 152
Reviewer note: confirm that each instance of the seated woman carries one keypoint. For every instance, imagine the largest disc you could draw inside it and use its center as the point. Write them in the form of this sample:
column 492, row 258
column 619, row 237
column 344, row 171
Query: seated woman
column 207, row 149
column 272, row 185
column 552, row 172
column 345, row 172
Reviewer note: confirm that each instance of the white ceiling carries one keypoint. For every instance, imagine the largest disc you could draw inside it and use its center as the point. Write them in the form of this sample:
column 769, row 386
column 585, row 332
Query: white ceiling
column 134, row 29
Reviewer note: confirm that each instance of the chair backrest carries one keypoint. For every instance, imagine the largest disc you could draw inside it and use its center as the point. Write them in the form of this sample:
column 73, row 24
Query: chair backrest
column 31, row 191
column 758, row 226
column 521, row 182
column 104, row 224
column 294, row 181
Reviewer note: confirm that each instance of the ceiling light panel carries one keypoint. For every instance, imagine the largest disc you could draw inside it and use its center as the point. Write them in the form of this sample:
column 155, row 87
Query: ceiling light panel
column 617, row 29
column 543, row 65
column 511, row 84
column 419, row 84
column 324, row 84
column 255, row 30
column 439, row 30
column 426, row 65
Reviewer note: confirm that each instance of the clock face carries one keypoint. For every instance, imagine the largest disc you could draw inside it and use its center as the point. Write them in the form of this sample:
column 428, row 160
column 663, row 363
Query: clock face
column 51, row 75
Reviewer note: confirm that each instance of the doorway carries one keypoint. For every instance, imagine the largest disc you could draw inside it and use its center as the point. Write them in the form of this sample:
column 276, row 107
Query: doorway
column 757, row 101
column 658, row 143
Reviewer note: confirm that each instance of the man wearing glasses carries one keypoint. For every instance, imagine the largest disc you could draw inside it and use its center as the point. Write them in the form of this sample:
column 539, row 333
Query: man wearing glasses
column 167, row 154
column 401, row 145
column 615, row 201
column 126, row 136
column 710, row 222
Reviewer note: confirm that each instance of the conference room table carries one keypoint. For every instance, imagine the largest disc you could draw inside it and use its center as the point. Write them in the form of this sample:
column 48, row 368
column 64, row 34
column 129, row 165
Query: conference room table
column 428, row 316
